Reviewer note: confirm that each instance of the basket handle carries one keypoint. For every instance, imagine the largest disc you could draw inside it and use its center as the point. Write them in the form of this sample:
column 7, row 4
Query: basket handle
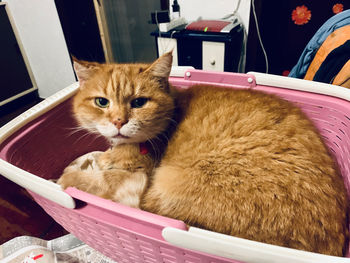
column 36, row 184
column 283, row 82
column 242, row 249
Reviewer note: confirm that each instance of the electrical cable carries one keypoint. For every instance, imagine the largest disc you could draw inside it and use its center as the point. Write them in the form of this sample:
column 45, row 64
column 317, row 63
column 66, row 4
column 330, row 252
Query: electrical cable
column 238, row 4
column 242, row 61
column 156, row 18
column 235, row 14
column 163, row 48
column 259, row 36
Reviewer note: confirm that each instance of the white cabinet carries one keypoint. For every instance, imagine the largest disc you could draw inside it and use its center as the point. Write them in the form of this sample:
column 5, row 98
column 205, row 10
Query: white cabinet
column 202, row 50
column 213, row 56
column 167, row 44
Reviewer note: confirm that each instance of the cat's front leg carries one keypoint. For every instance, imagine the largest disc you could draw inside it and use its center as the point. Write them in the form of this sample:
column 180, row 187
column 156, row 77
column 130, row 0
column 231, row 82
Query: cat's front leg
column 85, row 181
column 84, row 174
column 128, row 187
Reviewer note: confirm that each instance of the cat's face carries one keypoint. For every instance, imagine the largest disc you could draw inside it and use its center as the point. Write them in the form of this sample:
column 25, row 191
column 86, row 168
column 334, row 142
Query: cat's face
column 125, row 103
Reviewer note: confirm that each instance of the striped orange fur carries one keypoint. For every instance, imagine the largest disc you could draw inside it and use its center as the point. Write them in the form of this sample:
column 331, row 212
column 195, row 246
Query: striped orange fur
column 239, row 162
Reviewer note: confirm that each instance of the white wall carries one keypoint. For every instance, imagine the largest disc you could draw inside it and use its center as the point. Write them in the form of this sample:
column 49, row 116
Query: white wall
column 213, row 9
column 41, row 34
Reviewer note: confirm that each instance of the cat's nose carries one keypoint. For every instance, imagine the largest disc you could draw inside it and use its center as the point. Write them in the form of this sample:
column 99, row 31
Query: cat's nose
column 119, row 123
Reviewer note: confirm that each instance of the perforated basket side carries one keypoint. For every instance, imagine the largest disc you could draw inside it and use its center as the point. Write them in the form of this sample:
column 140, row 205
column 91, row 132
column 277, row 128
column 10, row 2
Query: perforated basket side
column 120, row 244
column 331, row 117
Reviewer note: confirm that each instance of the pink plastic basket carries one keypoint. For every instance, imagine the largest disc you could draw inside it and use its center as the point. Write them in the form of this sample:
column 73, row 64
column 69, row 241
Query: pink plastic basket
column 42, row 142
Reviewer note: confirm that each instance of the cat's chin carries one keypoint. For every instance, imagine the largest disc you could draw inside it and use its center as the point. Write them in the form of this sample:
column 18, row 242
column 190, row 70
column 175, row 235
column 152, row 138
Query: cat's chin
column 116, row 140
column 120, row 136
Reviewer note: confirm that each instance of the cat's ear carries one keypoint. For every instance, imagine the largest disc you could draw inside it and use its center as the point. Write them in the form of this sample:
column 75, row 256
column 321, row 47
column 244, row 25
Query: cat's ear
column 84, row 69
column 162, row 66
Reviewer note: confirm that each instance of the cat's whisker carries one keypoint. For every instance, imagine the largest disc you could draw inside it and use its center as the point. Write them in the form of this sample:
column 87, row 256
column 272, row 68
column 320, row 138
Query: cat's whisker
column 97, row 136
column 75, row 130
column 150, row 138
column 171, row 119
column 164, row 136
column 157, row 152
column 90, row 132
column 83, row 137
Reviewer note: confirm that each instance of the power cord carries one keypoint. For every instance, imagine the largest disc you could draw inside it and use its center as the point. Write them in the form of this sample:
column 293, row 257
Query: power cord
column 259, row 37
column 238, row 4
column 235, row 15
column 163, row 48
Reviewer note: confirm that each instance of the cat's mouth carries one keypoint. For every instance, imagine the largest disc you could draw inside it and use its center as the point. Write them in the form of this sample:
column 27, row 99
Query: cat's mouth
column 120, row 136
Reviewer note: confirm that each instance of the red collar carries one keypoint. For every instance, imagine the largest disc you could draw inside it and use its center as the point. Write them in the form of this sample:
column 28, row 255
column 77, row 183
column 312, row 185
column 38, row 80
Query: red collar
column 143, row 148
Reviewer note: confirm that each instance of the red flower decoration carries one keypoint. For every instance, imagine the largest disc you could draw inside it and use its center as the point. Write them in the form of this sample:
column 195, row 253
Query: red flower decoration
column 285, row 72
column 337, row 8
column 301, row 15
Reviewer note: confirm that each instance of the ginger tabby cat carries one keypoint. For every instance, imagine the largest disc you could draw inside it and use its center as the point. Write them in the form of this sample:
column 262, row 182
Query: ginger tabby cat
column 239, row 162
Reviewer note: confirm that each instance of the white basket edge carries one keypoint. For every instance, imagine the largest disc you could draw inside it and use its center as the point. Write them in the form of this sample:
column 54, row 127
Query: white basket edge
column 242, row 249
column 23, row 178
column 301, row 85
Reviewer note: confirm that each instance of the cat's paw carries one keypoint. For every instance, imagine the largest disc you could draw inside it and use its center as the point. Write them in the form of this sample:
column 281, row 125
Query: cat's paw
column 78, row 179
column 53, row 180
column 85, row 163
column 66, row 180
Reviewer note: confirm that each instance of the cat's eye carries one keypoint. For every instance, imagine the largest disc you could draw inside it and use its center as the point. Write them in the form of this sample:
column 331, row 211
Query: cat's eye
column 102, row 102
column 139, row 102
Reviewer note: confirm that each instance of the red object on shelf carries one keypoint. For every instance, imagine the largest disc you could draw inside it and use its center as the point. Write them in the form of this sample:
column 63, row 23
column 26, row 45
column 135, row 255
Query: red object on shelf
column 208, row 25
